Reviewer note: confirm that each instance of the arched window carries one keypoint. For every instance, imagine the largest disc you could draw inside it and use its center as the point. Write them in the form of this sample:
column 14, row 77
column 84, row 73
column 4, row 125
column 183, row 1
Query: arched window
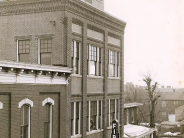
column 48, row 103
column 1, row 105
column 25, row 106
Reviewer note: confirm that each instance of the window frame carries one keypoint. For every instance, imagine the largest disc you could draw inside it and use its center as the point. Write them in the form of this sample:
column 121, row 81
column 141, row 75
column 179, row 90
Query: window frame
column 98, row 118
column 116, row 64
column 18, row 40
column 39, row 49
column 96, row 58
column 1, row 105
column 75, row 59
column 116, row 112
column 74, row 132
column 50, row 102
column 28, row 103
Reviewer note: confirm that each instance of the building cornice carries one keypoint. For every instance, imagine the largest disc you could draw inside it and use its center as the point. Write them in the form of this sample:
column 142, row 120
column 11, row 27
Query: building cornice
column 73, row 6
column 19, row 72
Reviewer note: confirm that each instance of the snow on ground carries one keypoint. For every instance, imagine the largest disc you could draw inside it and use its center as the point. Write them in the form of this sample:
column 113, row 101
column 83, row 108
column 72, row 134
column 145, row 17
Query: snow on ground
column 172, row 134
column 134, row 130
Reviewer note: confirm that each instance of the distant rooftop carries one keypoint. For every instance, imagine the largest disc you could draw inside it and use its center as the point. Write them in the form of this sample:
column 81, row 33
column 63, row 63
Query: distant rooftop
column 175, row 96
column 134, row 104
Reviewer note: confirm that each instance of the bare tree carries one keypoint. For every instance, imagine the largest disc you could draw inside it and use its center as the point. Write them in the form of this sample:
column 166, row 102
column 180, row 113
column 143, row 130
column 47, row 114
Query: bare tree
column 153, row 97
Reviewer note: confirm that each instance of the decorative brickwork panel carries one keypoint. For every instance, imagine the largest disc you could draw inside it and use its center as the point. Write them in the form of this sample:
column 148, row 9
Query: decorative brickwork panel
column 95, row 85
column 94, row 34
column 113, row 85
column 76, row 85
column 76, row 28
column 114, row 41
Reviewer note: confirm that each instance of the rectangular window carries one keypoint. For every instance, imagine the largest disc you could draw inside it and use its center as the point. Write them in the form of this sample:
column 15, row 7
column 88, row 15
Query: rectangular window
column 48, row 121
column 75, row 118
column 94, row 117
column 114, row 64
column 94, row 56
column 23, row 50
column 75, row 56
column 45, row 51
column 25, row 115
column 113, row 110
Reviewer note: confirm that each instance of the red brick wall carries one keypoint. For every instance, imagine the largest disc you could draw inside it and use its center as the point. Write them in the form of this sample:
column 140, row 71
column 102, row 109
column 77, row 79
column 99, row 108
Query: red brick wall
column 36, row 93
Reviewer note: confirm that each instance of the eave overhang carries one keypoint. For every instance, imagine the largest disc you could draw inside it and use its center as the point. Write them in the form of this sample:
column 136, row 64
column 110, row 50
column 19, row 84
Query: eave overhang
column 26, row 73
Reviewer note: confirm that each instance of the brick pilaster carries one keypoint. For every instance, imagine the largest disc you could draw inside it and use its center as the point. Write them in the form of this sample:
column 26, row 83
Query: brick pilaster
column 84, row 78
column 68, row 59
column 105, row 86
column 122, row 88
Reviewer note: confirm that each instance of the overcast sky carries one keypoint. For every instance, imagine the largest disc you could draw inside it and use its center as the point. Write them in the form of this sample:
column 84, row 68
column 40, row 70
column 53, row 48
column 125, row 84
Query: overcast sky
column 154, row 38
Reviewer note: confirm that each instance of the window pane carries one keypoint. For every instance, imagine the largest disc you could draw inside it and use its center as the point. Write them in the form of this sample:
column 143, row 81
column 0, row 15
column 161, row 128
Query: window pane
column 93, row 114
column 45, row 58
column 111, row 70
column 46, row 130
column 92, row 67
column 24, row 57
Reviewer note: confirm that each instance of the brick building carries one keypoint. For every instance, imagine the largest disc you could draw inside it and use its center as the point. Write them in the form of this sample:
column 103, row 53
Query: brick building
column 61, row 69
column 168, row 103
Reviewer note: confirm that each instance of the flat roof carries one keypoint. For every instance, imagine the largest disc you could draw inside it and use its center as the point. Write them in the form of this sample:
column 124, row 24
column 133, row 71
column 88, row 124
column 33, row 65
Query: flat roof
column 134, row 104
column 137, row 131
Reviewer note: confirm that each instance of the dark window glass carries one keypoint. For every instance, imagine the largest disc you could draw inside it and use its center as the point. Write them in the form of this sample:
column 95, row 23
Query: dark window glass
column 23, row 50
column 112, row 110
column 93, row 114
column 47, row 120
column 24, row 121
column 45, row 51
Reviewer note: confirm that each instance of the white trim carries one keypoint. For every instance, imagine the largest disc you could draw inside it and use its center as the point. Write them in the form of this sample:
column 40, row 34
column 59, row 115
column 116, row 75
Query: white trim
column 115, row 109
column 97, row 61
column 48, row 100
column 79, row 58
column 97, row 117
column 101, row 62
column 50, row 136
column 89, row 116
column 115, row 70
column 89, row 49
column 101, row 115
column 1, row 105
column 79, row 123
column 28, row 103
column 17, row 50
column 29, row 126
column 109, row 63
column 25, row 101
column 74, row 55
column 38, row 51
column 74, row 118
column 109, row 112
column 51, row 103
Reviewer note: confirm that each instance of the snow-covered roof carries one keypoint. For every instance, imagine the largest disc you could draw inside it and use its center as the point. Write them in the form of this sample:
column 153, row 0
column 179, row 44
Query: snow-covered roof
column 134, row 104
column 137, row 131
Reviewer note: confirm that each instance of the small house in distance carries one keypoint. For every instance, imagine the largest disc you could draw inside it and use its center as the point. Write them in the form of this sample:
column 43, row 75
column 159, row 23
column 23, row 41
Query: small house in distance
column 131, row 127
